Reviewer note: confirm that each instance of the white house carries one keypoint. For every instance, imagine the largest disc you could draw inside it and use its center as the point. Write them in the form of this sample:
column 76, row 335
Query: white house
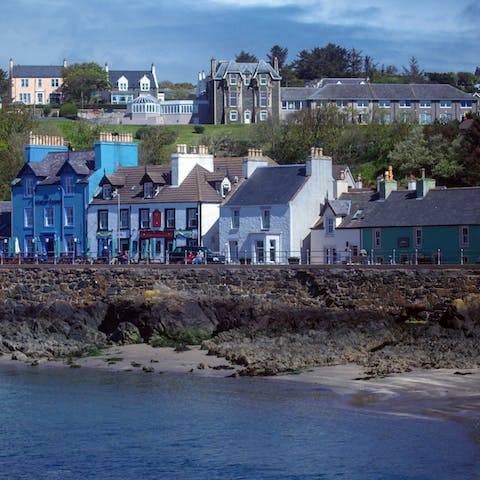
column 268, row 219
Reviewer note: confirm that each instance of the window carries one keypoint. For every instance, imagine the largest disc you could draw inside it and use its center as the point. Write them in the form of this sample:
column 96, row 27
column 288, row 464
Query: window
column 233, row 79
column 233, row 247
column 362, row 103
column 404, row 104
column 232, row 99
column 48, row 217
column 263, row 79
column 445, row 104
column 385, row 118
column 54, row 82
column 28, row 192
column 264, row 99
column 342, row 103
column 39, row 83
column 248, row 78
column 148, row 190
column 144, row 217
column 445, row 117
column 418, row 237
column 144, row 84
column 464, row 236
column 272, row 250
column 124, row 219
column 28, row 217
column 235, row 218
column 425, row 118
column 265, row 219
column 71, row 245
column 260, row 251
column 102, row 220
column 233, row 116
column 377, row 238
column 24, row 97
column 24, row 82
column 384, row 103
column 466, row 104
column 425, row 104
column 263, row 115
column 40, row 98
column 107, row 191
column 170, row 218
column 68, row 216
column 191, row 218
column 68, row 185
column 330, row 226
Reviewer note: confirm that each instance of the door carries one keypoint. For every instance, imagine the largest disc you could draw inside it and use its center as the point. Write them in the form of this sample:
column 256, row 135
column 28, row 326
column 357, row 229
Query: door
column 247, row 116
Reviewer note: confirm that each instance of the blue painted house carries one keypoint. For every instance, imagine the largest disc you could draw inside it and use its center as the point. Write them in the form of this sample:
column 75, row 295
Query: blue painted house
column 52, row 190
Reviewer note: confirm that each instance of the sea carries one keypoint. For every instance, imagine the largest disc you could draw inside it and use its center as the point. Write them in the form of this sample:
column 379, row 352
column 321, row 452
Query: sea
column 74, row 424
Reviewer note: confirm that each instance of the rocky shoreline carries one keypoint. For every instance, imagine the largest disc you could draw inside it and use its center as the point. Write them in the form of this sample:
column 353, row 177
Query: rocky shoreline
column 265, row 322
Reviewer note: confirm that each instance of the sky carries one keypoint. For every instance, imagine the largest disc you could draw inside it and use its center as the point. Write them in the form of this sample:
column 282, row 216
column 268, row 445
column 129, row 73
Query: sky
column 181, row 36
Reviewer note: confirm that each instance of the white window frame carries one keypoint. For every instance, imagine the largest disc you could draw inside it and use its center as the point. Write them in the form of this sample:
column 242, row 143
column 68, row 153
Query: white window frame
column 68, row 217
column 24, row 82
column 69, row 185
column 233, row 116
column 263, row 116
column 191, row 215
column 124, row 219
column 445, row 104
column 148, row 190
column 425, row 104
column 464, row 236
column 144, row 215
column 232, row 99
column 425, row 118
column 102, row 219
column 384, row 104
column 28, row 217
column 363, row 103
column 466, row 104
column 48, row 217
column 54, row 82
column 170, row 218
column 235, row 218
column 418, row 237
column 232, row 77
column 404, row 104
column 107, row 191
column 263, row 98
column 28, row 192
column 263, row 79
column 266, row 219
column 330, row 226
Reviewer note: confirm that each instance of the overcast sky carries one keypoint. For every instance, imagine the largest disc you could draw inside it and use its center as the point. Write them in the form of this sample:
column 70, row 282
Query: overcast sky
column 180, row 37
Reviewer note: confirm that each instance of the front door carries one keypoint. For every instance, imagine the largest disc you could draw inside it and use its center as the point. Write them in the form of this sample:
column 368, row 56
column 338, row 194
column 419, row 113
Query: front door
column 246, row 116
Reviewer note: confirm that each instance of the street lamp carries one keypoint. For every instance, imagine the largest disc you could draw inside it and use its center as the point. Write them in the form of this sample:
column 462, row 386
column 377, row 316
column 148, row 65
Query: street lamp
column 75, row 240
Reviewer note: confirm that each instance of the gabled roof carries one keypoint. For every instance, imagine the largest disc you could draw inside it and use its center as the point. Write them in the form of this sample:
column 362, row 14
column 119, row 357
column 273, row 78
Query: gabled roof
column 270, row 186
column 387, row 91
column 133, row 77
column 439, row 207
column 291, row 94
column 37, row 71
column 243, row 68
column 51, row 166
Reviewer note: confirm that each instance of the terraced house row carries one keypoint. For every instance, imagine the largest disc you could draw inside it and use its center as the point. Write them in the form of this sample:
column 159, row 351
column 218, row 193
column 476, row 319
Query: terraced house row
column 99, row 204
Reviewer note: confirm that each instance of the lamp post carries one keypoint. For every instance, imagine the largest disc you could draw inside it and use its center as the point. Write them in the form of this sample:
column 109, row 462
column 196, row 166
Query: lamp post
column 75, row 240
column 62, row 213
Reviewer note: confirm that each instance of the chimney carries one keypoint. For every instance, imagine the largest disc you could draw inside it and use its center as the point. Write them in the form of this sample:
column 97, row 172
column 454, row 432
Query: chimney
column 275, row 64
column 213, row 66
column 114, row 149
column 359, row 183
column 186, row 158
column 39, row 146
column 253, row 160
column 106, row 67
column 65, row 63
column 317, row 163
column 387, row 185
column 11, row 68
column 424, row 185
column 412, row 183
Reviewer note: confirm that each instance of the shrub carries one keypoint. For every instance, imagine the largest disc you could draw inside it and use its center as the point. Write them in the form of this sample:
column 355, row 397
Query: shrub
column 68, row 110
column 199, row 129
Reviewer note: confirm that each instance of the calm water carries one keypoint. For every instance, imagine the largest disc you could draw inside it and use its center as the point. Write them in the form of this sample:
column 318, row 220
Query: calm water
column 78, row 424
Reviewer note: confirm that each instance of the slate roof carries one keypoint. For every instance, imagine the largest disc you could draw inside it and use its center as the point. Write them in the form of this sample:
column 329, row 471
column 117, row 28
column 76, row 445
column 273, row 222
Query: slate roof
column 133, row 77
column 439, row 207
column 269, row 186
column 290, row 94
column 253, row 68
column 81, row 162
column 37, row 71
column 386, row 91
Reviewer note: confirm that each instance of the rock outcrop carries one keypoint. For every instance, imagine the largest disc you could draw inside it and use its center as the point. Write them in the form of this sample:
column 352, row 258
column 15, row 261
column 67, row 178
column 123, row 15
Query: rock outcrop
column 268, row 320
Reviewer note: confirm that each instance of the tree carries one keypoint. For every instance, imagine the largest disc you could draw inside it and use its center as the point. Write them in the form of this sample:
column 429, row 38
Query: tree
column 329, row 61
column 280, row 54
column 82, row 82
column 469, row 152
column 245, row 57
column 413, row 73
column 355, row 62
column 154, row 144
column 3, row 85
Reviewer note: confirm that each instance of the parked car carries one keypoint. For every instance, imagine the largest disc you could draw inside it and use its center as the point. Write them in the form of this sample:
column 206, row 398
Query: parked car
column 181, row 255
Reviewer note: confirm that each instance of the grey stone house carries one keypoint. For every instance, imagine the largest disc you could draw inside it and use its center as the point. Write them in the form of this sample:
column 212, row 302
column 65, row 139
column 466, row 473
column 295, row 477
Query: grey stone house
column 242, row 92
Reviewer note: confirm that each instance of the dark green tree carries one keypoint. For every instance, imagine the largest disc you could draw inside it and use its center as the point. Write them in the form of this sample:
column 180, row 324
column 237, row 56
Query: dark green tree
column 469, row 152
column 83, row 82
column 3, row 85
column 245, row 57
column 413, row 73
column 280, row 54
column 329, row 61
column 155, row 143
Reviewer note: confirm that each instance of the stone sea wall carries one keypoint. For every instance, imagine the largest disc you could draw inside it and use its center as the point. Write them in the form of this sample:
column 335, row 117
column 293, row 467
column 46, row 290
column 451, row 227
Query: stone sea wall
column 268, row 319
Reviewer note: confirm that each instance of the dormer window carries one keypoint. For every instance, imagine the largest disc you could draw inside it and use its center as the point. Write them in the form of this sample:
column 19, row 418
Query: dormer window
column 233, row 79
column 225, row 187
column 107, row 191
column 144, row 84
column 148, row 190
column 68, row 185
column 263, row 79
column 28, row 192
column 248, row 78
column 122, row 84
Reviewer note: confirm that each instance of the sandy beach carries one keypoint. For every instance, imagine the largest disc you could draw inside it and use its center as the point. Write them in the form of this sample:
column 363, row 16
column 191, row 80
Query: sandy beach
column 460, row 388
